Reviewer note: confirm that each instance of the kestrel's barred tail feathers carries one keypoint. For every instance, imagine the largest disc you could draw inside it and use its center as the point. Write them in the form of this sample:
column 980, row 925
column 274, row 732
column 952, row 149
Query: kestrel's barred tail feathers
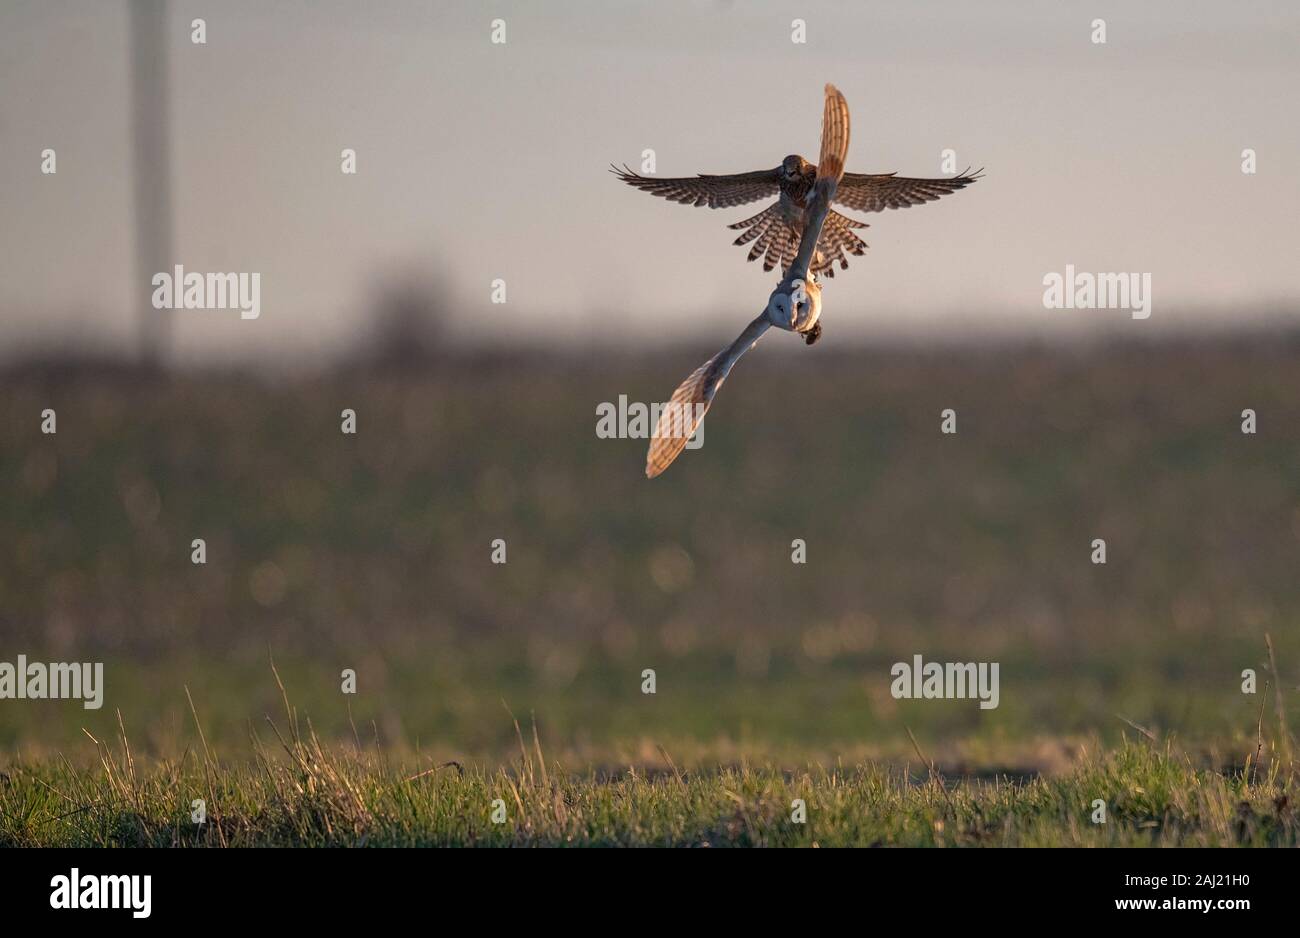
column 690, row 402
column 777, row 243
column 776, row 250
column 768, row 231
column 756, row 224
column 771, row 244
column 875, row 192
column 835, row 136
column 789, row 248
column 713, row 191
column 837, row 233
column 755, row 232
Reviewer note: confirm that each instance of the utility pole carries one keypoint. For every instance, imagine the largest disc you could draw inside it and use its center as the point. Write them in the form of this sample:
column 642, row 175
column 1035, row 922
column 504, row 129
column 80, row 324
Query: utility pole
column 151, row 127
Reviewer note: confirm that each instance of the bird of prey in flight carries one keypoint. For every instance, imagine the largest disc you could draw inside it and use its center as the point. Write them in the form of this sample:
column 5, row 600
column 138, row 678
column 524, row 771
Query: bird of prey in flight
column 776, row 230
column 795, row 304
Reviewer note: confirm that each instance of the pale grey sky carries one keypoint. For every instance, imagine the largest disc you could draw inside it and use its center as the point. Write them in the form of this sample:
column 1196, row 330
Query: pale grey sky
column 482, row 161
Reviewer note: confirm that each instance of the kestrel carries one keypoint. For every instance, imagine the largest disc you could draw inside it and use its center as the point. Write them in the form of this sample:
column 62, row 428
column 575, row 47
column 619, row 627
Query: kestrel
column 777, row 229
column 795, row 304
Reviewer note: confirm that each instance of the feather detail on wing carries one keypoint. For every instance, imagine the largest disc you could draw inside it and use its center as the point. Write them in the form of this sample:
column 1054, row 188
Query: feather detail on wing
column 867, row 192
column 713, row 191
column 818, row 248
column 682, row 416
column 835, row 136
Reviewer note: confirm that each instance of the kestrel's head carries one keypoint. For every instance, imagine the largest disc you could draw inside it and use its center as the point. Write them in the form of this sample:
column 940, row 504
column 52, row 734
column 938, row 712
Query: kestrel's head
column 794, row 166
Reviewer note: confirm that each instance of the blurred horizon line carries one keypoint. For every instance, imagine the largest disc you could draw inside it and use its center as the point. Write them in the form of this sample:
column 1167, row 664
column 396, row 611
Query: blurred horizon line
column 412, row 339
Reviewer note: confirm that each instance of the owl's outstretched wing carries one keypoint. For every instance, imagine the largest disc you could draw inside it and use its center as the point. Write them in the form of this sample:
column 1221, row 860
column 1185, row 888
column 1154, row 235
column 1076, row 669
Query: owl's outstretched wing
column 830, row 167
column 682, row 415
column 835, row 136
column 713, row 191
column 777, row 241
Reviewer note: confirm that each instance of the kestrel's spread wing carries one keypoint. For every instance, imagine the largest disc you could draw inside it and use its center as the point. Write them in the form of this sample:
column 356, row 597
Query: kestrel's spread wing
column 777, row 230
column 689, row 403
column 800, row 232
column 868, row 192
column 713, row 191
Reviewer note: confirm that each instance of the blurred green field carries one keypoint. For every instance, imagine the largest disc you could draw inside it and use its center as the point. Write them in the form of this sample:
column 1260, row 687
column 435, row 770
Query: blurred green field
column 1154, row 797
column 372, row 552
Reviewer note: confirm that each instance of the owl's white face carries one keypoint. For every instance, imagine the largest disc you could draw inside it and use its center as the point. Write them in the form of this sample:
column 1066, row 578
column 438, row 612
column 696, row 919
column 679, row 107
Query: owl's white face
column 795, row 306
column 808, row 312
